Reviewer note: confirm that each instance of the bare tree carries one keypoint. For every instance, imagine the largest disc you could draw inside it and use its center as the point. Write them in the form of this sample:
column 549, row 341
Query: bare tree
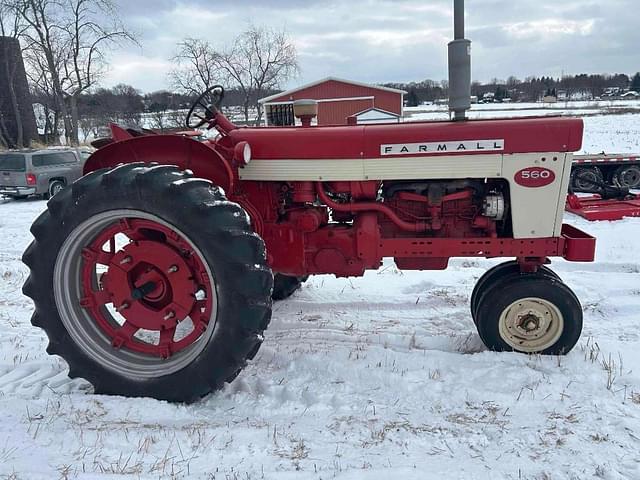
column 259, row 60
column 196, row 68
column 66, row 45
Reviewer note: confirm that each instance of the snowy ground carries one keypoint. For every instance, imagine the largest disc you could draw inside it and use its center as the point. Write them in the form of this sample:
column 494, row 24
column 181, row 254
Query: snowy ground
column 364, row 378
column 610, row 127
column 493, row 110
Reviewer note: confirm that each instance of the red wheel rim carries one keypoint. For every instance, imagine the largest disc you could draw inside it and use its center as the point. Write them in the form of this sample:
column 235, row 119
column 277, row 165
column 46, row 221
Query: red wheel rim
column 146, row 287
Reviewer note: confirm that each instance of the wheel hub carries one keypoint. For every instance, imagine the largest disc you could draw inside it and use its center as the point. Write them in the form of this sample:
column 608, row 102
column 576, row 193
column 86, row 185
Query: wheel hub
column 587, row 180
column 147, row 280
column 153, row 279
column 531, row 325
column 631, row 177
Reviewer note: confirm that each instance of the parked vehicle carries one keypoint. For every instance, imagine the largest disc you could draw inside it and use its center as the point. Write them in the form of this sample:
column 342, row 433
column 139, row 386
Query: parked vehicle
column 39, row 172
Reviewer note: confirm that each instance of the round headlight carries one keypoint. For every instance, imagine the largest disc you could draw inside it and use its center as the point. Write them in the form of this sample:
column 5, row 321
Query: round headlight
column 246, row 154
column 242, row 153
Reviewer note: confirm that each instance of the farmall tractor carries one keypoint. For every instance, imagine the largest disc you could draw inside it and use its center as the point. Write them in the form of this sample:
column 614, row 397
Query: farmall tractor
column 154, row 274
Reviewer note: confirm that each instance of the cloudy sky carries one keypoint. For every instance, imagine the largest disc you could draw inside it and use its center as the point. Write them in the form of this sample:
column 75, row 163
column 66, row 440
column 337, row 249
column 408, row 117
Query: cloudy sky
column 393, row 40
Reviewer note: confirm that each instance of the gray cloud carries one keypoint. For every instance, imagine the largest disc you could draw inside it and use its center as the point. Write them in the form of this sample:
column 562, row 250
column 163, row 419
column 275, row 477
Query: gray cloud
column 393, row 40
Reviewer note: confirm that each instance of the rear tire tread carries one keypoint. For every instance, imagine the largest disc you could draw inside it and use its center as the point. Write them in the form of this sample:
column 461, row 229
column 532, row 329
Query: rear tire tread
column 178, row 199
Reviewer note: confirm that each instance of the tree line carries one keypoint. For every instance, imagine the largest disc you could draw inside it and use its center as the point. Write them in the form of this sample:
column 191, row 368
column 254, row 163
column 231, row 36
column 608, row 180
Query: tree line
column 531, row 89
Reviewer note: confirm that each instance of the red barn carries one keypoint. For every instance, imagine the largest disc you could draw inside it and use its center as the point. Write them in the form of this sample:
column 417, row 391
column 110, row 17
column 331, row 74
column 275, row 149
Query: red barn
column 337, row 101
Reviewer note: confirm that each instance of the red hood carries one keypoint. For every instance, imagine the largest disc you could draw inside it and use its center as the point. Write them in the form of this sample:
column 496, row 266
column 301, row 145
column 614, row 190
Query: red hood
column 526, row 135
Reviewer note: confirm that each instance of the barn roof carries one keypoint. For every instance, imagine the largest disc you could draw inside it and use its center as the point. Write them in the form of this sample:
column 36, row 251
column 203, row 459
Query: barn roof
column 328, row 79
column 376, row 110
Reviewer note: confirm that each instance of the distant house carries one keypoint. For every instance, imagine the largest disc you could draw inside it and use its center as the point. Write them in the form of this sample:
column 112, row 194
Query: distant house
column 338, row 101
column 581, row 96
column 489, row 97
column 612, row 92
column 374, row 115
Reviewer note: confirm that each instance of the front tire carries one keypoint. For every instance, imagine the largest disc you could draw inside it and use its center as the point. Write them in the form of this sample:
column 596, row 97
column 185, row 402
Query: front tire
column 494, row 274
column 149, row 283
column 530, row 314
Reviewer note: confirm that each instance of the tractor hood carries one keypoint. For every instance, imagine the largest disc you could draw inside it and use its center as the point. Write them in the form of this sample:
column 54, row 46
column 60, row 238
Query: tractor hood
column 528, row 135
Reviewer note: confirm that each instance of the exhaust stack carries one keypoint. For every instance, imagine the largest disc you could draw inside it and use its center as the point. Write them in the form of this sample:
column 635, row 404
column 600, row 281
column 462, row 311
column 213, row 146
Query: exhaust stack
column 459, row 66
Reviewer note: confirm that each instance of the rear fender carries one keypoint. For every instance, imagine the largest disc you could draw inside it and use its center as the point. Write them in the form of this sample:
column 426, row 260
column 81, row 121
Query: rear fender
column 202, row 159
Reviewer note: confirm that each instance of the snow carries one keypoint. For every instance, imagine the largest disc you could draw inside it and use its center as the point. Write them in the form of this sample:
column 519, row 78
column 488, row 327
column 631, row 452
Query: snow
column 610, row 127
column 612, row 134
column 376, row 377
column 512, row 109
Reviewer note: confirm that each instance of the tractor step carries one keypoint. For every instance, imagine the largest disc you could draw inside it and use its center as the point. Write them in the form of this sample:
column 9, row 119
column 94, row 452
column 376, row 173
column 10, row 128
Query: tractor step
column 594, row 208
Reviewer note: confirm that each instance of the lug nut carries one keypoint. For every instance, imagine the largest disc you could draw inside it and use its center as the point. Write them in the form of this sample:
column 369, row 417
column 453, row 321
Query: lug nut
column 125, row 260
column 173, row 269
column 170, row 314
column 124, row 306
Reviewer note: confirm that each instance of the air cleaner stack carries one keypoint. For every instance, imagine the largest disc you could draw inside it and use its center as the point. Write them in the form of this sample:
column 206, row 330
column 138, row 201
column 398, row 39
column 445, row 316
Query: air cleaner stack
column 459, row 66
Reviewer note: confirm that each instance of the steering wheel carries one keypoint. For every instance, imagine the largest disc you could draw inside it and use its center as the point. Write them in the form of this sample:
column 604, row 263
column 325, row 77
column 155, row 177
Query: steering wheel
column 205, row 108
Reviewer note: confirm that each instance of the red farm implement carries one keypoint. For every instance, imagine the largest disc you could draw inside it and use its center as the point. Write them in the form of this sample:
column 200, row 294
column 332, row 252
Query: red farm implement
column 611, row 179
column 595, row 207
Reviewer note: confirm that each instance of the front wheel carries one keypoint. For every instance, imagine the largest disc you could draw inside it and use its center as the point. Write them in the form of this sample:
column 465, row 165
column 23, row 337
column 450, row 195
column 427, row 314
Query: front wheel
column 149, row 283
column 530, row 314
column 494, row 274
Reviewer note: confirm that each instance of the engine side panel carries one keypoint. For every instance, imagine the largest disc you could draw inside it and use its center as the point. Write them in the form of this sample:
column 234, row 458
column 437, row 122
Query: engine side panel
column 423, row 167
column 537, row 211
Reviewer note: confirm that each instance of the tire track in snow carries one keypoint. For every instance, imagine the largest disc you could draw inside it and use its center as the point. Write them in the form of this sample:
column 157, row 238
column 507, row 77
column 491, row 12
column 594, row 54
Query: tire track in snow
column 37, row 379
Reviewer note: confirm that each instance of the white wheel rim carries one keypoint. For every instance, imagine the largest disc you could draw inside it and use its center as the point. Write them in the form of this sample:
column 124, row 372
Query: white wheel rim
column 531, row 325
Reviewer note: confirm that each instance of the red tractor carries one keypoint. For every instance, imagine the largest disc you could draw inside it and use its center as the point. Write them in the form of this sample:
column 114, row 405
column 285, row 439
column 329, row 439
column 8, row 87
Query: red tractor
column 153, row 275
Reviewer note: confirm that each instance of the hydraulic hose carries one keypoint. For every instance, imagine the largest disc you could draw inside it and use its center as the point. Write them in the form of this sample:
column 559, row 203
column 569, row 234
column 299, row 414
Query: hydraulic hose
column 370, row 207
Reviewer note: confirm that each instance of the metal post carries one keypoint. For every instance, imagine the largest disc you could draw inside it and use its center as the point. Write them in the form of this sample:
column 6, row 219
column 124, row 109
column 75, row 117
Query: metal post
column 459, row 66
column 458, row 13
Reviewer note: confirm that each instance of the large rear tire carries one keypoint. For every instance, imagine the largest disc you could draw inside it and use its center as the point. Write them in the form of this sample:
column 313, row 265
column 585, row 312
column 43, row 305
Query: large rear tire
column 149, row 283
